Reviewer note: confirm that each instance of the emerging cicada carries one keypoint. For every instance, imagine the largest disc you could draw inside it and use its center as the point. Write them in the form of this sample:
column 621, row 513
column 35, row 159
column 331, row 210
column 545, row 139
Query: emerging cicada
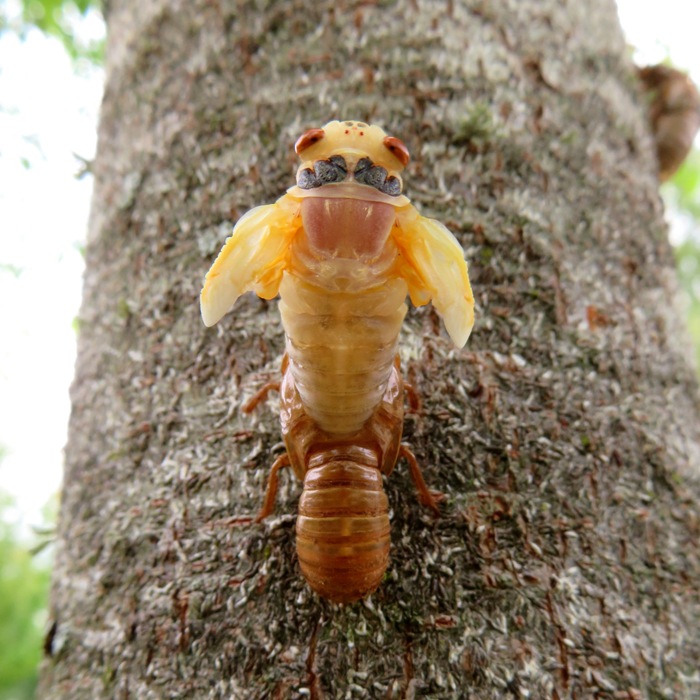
column 343, row 248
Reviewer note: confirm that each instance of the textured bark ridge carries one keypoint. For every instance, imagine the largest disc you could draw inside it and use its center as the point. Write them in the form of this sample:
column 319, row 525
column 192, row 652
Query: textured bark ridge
column 565, row 563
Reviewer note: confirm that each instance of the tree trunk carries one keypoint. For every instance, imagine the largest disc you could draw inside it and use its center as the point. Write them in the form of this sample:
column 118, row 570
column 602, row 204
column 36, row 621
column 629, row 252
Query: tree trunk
column 566, row 436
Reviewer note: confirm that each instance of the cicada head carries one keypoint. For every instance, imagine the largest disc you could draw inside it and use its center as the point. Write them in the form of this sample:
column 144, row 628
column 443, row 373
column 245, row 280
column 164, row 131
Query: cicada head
column 351, row 152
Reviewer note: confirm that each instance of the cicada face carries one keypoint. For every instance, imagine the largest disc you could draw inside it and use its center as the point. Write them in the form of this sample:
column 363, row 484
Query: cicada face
column 351, row 153
column 350, row 188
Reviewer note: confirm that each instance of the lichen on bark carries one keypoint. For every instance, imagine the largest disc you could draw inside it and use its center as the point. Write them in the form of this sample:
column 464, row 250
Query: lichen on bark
column 566, row 435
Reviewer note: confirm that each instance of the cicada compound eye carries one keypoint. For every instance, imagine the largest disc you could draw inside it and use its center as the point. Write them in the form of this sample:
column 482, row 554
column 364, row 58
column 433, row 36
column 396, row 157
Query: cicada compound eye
column 398, row 149
column 308, row 138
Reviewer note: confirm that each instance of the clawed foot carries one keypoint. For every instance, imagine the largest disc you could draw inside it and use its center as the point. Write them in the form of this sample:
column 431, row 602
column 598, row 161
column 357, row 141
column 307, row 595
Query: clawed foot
column 430, row 499
column 259, row 396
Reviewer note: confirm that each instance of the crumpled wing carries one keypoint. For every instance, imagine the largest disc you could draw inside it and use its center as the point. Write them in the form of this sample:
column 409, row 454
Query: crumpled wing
column 432, row 263
column 253, row 257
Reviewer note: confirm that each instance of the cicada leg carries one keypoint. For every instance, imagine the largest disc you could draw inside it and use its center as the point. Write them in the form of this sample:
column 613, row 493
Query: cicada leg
column 414, row 402
column 259, row 396
column 272, row 483
column 430, row 499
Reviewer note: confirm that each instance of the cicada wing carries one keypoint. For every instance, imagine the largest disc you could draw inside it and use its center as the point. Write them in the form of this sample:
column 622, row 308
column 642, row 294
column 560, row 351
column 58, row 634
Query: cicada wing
column 432, row 263
column 253, row 258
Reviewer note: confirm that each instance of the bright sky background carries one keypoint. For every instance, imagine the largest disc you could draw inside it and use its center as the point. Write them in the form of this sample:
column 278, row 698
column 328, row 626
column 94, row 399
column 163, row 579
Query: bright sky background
column 48, row 117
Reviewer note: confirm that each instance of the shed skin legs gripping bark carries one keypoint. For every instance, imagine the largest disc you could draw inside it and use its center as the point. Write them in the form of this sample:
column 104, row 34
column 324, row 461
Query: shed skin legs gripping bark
column 343, row 248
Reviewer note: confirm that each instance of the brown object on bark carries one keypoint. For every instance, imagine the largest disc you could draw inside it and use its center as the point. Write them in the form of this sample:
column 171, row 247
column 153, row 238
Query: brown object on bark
column 674, row 111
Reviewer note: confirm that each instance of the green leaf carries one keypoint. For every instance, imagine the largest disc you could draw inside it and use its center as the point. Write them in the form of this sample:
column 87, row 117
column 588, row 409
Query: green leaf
column 58, row 18
column 15, row 272
column 24, row 585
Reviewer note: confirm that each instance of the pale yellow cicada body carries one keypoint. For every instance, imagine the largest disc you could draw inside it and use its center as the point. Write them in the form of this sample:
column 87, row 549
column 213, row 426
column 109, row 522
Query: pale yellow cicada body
column 343, row 248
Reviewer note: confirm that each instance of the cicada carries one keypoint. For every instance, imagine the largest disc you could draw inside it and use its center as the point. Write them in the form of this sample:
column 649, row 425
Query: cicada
column 674, row 112
column 343, row 248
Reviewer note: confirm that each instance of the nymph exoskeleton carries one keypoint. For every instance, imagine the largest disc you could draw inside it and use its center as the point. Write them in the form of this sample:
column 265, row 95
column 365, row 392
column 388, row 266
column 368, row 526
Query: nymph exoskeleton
column 674, row 113
column 343, row 248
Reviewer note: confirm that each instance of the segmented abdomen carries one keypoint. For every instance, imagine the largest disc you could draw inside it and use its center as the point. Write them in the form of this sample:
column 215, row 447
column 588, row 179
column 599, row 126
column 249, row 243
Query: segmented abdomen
column 343, row 528
column 342, row 333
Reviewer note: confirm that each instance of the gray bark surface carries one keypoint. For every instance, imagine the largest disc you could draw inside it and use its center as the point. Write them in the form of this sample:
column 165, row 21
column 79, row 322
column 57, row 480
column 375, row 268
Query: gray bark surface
column 566, row 436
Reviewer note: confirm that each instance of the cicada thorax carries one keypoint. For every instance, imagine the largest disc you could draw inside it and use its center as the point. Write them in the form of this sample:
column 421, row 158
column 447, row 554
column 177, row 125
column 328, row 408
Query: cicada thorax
column 347, row 228
column 343, row 530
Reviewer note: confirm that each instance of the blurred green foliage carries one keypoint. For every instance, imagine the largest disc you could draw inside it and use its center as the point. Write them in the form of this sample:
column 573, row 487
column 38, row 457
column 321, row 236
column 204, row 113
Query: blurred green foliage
column 688, row 257
column 686, row 185
column 24, row 586
column 56, row 18
column 682, row 195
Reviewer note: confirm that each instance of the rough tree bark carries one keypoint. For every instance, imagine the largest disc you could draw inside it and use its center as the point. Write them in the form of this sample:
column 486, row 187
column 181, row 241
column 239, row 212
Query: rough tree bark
column 566, row 436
